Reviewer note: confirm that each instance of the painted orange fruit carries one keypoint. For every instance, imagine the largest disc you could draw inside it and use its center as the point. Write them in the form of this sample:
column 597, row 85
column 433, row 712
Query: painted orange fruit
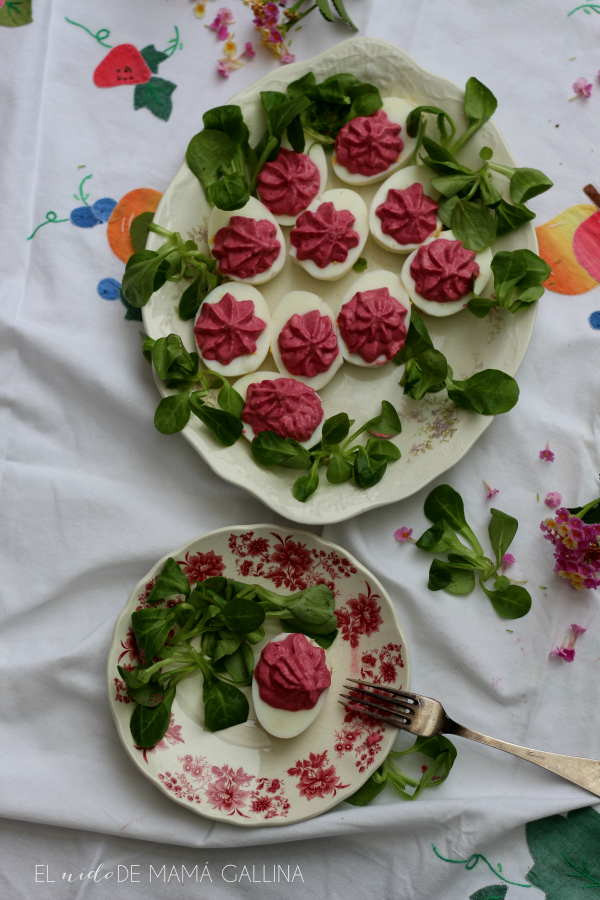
column 556, row 247
column 131, row 205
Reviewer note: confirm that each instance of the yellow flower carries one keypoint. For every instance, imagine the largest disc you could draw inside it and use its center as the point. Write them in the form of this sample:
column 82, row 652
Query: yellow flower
column 200, row 8
column 230, row 48
column 574, row 577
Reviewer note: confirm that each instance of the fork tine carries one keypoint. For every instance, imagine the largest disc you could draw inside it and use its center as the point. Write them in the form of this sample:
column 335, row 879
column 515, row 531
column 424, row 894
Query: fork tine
column 361, row 702
column 388, row 721
column 409, row 708
column 381, row 687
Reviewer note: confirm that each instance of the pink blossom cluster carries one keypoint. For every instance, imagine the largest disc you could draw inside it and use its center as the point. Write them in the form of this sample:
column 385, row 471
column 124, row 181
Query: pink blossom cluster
column 577, row 548
column 271, row 28
column 221, row 23
column 268, row 18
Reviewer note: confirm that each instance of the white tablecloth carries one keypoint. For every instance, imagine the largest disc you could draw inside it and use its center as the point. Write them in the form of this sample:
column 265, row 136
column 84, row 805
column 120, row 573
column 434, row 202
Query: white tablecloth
column 91, row 494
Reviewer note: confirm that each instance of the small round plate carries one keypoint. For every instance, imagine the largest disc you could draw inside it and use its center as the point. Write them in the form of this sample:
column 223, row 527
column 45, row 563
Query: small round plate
column 242, row 774
column 436, row 434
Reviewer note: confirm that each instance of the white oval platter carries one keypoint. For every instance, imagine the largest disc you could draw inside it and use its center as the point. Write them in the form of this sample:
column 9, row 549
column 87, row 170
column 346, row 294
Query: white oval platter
column 436, row 434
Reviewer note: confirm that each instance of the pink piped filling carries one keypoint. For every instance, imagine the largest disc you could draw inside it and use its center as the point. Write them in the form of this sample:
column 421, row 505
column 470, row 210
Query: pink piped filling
column 288, row 184
column 285, row 406
column 292, row 674
column 308, row 344
column 227, row 329
column 372, row 325
column 368, row 145
column 443, row 271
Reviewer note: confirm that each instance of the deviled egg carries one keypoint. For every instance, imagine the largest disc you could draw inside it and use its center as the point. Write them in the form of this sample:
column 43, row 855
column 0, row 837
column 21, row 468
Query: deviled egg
column 328, row 238
column 369, row 148
column 373, row 319
column 232, row 329
column 403, row 212
column 247, row 243
column 283, row 405
column 290, row 684
column 291, row 182
column 304, row 340
column 439, row 275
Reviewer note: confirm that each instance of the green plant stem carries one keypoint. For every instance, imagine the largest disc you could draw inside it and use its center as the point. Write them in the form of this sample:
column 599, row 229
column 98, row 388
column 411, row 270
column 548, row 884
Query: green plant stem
column 587, row 508
column 201, row 664
column 181, row 674
column 271, row 145
column 464, row 137
column 502, row 170
column 288, row 25
column 158, row 229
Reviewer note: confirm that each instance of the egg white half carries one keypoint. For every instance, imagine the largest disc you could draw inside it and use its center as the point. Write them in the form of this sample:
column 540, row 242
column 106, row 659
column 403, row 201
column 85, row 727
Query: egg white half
column 341, row 198
column 401, row 180
column 433, row 307
column 300, row 303
column 242, row 386
column 249, row 362
column 370, row 281
column 397, row 110
column 317, row 154
column 254, row 209
column 287, row 723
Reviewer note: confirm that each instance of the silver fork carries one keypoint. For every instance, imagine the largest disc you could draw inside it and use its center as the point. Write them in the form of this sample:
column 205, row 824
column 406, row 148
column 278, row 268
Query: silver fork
column 426, row 717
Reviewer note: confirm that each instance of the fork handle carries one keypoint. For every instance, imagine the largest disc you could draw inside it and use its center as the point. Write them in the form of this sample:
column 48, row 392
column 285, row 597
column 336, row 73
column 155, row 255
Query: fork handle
column 579, row 770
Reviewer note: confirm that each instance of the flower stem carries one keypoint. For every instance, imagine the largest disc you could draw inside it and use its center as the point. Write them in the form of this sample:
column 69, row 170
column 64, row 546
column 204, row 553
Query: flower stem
column 586, row 509
column 158, row 229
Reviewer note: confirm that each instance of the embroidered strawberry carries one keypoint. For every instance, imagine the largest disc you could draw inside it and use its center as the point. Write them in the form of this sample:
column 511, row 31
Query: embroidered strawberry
column 123, row 65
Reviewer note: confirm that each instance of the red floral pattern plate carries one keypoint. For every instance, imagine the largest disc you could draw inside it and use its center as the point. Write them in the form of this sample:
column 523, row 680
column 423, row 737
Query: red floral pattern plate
column 242, row 774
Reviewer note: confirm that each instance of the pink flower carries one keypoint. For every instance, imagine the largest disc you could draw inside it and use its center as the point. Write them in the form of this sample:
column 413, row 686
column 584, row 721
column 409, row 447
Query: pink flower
column 582, row 88
column 292, row 555
column 288, row 58
column 202, row 565
column 577, row 548
column 507, row 560
column 224, row 17
column 491, row 491
column 365, row 611
column 275, row 36
column 547, row 454
column 270, row 14
column 249, row 50
column 553, row 499
column 403, row 534
column 566, row 653
column 318, row 782
column 223, row 32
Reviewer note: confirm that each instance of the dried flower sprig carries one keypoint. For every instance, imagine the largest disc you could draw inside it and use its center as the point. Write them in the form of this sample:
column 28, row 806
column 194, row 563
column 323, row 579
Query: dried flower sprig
column 273, row 22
